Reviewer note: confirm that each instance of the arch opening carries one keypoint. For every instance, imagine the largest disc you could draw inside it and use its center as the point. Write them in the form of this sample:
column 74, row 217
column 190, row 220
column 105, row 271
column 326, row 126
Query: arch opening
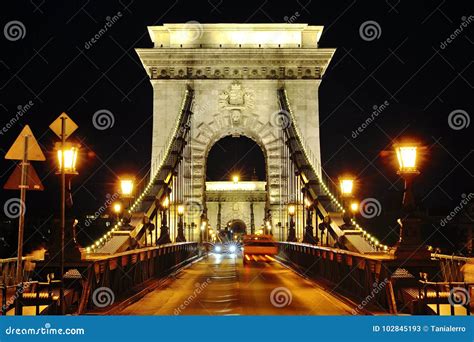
column 236, row 156
column 236, row 196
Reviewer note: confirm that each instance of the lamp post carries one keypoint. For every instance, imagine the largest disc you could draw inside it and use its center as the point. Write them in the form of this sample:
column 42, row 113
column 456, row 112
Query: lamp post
column 203, row 228
column 164, row 230
column 308, row 235
column 127, row 188
column 291, row 226
column 117, row 208
column 67, row 159
column 346, row 184
column 408, row 246
column 180, row 237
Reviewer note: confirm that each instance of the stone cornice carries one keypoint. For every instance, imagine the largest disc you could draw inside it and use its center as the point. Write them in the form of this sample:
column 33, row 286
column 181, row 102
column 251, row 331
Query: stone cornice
column 268, row 63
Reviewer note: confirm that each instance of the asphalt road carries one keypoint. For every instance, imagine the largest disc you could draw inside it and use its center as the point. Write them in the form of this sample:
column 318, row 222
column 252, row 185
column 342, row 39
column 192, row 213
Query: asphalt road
column 221, row 285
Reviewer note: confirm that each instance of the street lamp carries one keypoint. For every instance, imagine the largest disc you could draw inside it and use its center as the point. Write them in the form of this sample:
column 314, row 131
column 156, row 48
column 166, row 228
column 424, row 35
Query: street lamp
column 308, row 235
column 164, row 230
column 180, row 237
column 68, row 155
column 67, row 160
column 235, row 178
column 347, row 185
column 203, row 228
column 291, row 227
column 127, row 185
column 408, row 245
column 117, row 208
column 127, row 188
column 407, row 169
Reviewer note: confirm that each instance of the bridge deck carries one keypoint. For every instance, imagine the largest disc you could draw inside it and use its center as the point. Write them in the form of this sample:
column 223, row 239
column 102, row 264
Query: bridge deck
column 226, row 287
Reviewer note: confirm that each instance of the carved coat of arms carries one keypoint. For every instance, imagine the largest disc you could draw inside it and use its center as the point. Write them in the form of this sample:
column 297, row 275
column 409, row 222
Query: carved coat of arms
column 235, row 100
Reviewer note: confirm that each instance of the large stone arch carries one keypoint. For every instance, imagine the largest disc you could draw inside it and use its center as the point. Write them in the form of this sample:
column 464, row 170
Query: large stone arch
column 252, row 122
column 235, row 78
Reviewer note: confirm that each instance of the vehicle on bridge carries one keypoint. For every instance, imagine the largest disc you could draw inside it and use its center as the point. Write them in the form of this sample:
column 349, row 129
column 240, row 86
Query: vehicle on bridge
column 230, row 247
column 259, row 248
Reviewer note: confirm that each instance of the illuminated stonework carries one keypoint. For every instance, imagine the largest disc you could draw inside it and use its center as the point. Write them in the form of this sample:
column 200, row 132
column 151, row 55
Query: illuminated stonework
column 236, row 200
column 236, row 71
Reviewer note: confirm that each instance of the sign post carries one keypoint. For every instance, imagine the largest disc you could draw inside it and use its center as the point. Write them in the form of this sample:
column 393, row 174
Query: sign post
column 25, row 148
column 63, row 126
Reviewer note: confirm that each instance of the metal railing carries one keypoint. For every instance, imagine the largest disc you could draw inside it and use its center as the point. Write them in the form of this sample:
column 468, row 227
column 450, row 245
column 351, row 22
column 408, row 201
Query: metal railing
column 451, row 266
column 8, row 270
column 356, row 275
column 448, row 293
column 120, row 273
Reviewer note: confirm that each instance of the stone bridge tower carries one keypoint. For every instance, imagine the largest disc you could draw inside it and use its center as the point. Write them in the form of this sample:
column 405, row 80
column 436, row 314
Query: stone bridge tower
column 235, row 71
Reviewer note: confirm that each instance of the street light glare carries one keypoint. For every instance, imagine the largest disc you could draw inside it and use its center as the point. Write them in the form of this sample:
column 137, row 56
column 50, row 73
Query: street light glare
column 406, row 156
column 291, row 210
column 235, row 178
column 70, row 158
column 166, row 202
column 117, row 207
column 354, row 206
column 126, row 186
column 347, row 185
column 180, row 210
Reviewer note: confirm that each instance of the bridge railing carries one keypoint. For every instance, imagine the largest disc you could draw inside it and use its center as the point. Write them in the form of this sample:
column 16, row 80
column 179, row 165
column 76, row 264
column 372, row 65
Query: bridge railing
column 353, row 274
column 439, row 294
column 8, row 270
column 114, row 276
column 451, row 266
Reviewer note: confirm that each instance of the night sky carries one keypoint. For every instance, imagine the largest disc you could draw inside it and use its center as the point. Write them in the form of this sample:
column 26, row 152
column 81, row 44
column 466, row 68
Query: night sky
column 409, row 65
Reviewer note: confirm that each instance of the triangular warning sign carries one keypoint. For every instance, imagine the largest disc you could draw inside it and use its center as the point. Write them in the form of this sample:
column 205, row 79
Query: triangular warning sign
column 70, row 126
column 18, row 148
column 32, row 180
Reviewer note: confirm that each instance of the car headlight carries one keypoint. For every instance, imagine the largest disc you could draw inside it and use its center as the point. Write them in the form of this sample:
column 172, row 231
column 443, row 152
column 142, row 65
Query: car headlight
column 218, row 249
column 232, row 249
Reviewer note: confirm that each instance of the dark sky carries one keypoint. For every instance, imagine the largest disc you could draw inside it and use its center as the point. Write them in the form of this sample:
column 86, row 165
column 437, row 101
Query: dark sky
column 406, row 66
